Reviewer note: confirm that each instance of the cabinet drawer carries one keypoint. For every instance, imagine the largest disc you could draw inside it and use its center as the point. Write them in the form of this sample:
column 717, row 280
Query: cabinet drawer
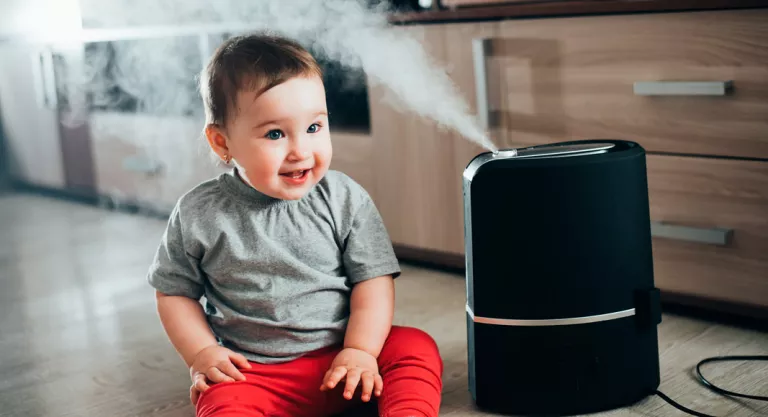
column 694, row 203
column 658, row 79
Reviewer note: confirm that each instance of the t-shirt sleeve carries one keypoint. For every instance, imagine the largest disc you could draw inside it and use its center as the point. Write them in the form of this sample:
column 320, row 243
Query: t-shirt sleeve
column 368, row 252
column 173, row 270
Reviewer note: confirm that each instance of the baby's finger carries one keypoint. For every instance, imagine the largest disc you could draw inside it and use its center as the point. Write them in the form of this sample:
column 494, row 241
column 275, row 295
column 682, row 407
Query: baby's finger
column 353, row 378
column 239, row 360
column 200, row 383
column 215, row 375
column 336, row 376
column 229, row 369
column 324, row 384
column 367, row 379
column 194, row 395
column 378, row 384
column 327, row 385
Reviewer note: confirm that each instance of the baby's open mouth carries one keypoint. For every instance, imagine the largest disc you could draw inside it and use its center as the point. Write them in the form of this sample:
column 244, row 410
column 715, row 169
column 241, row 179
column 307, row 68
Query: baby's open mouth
column 296, row 174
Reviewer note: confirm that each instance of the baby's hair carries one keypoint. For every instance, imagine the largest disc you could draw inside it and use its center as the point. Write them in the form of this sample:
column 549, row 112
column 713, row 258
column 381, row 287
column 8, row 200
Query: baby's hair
column 255, row 62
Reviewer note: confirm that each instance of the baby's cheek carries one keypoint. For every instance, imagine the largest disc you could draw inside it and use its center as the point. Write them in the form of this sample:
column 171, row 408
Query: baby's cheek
column 323, row 155
column 262, row 176
column 268, row 167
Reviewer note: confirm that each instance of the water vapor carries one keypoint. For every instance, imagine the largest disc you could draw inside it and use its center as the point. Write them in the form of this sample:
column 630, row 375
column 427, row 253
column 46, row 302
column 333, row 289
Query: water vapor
column 354, row 33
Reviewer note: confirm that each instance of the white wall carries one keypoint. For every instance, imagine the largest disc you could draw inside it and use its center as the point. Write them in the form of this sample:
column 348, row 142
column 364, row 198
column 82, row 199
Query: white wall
column 24, row 18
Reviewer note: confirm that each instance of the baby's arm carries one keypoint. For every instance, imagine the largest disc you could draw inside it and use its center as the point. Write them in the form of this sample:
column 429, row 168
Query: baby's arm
column 179, row 283
column 186, row 325
column 371, row 267
column 371, row 312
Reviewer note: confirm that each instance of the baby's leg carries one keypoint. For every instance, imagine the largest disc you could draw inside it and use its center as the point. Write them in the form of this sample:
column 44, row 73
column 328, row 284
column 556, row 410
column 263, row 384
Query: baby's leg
column 412, row 370
column 288, row 389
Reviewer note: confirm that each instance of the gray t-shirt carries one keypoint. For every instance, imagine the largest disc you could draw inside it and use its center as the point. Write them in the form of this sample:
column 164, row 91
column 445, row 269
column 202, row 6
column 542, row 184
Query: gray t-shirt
column 276, row 274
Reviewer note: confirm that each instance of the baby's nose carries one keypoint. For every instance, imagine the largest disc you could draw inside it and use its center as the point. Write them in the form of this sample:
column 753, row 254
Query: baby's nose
column 300, row 150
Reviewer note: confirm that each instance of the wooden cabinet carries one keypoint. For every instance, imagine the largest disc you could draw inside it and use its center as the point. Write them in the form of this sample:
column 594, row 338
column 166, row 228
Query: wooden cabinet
column 691, row 88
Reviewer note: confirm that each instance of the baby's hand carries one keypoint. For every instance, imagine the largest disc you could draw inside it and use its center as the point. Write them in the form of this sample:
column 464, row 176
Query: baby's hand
column 355, row 365
column 215, row 364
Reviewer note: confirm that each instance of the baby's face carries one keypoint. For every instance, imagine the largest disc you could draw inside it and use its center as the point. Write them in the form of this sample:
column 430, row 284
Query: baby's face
column 280, row 141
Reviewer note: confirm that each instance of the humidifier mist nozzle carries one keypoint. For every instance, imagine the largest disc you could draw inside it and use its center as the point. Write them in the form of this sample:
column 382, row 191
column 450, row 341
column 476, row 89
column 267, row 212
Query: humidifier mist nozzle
column 504, row 153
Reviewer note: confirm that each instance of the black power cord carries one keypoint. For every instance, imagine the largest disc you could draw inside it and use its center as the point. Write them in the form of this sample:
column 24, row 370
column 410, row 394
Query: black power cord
column 714, row 387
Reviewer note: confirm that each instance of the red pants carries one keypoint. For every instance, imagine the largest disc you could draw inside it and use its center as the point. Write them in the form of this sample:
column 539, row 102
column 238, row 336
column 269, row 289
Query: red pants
column 409, row 364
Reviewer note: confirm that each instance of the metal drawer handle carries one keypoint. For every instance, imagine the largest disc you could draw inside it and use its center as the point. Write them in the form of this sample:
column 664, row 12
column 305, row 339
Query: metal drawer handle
column 715, row 236
column 44, row 78
column 480, row 50
column 682, row 88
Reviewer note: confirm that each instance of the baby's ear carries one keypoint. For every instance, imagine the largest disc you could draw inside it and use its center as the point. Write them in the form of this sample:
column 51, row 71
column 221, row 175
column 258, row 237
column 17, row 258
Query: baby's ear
column 217, row 139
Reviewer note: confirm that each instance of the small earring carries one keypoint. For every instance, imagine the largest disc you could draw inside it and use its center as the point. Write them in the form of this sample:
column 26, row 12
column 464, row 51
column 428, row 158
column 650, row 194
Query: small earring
column 227, row 158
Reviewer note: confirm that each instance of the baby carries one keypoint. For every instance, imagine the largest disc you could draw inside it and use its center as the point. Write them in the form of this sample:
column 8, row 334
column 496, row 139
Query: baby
column 293, row 259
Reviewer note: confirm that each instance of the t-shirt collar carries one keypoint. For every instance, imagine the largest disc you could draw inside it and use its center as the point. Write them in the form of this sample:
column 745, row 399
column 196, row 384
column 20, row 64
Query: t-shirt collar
column 237, row 186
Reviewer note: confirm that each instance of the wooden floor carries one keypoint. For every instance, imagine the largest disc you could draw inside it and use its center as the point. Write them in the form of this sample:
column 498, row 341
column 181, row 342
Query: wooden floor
column 79, row 335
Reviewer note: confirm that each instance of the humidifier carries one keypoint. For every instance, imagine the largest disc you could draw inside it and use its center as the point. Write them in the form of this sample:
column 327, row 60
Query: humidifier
column 561, row 310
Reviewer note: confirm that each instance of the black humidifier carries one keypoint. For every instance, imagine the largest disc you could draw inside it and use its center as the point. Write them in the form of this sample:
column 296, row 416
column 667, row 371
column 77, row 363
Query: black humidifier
column 562, row 311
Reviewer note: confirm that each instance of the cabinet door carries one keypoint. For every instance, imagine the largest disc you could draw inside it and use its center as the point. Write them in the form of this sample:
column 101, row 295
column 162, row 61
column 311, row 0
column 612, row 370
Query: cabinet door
column 30, row 116
column 418, row 164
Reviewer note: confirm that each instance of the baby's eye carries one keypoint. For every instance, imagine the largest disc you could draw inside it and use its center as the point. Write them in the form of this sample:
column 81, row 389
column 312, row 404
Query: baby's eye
column 314, row 128
column 274, row 134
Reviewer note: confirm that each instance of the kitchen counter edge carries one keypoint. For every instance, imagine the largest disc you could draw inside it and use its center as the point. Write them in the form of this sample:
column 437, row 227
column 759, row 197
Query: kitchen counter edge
column 567, row 8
